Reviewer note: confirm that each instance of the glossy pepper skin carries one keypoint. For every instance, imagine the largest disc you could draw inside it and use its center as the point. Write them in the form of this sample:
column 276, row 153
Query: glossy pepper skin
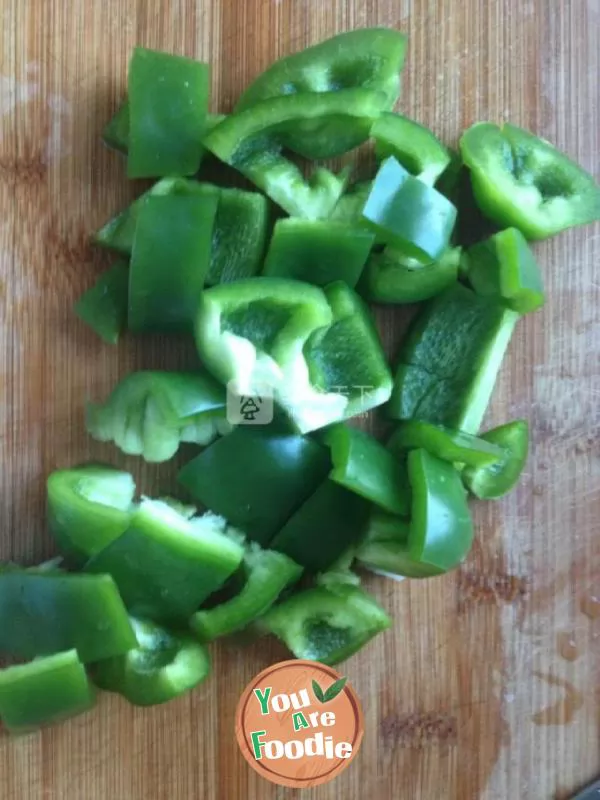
column 522, row 181
column 445, row 443
column 49, row 612
column 104, row 306
column 162, row 666
column 416, row 147
column 391, row 278
column 496, row 480
column 45, row 691
column 450, row 358
column 371, row 58
column 327, row 624
column 164, row 565
column 256, row 478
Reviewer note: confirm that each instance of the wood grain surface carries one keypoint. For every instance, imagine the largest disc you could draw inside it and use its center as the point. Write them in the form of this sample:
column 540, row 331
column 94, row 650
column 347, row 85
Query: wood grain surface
column 487, row 685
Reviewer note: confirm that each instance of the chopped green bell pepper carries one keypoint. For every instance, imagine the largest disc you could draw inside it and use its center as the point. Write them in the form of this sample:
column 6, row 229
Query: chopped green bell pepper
column 406, row 213
column 164, row 565
column 45, row 691
column 496, row 480
column 326, row 624
column 441, row 528
column 350, row 206
column 416, row 147
column 104, row 306
column 88, row 507
column 256, row 478
column 168, row 103
column 170, row 261
column 471, row 224
column 390, row 277
column 318, row 251
column 450, row 359
column 445, row 443
column 266, row 574
column 504, row 267
column 365, row 467
column 524, row 182
column 48, row 612
column 161, row 667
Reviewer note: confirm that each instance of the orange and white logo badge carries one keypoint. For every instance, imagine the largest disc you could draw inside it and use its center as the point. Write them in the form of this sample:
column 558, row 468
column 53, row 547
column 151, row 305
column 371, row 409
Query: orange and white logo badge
column 299, row 723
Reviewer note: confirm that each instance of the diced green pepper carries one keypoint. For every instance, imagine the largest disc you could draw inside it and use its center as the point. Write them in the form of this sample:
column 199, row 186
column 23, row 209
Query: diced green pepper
column 43, row 692
column 327, row 624
column 168, row 104
column 161, row 667
column 471, row 224
column 445, row 443
column 350, row 206
column 48, row 612
column 416, row 147
column 390, row 277
column 496, row 480
column 104, row 306
column 524, row 182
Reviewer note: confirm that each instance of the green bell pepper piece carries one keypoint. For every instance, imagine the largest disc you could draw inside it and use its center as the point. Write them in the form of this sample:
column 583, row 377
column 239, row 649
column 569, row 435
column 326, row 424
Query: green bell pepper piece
column 496, row 480
column 408, row 214
column 364, row 466
column 326, row 624
column 505, row 268
column 45, row 691
column 385, row 549
column 149, row 413
column 256, row 478
column 48, row 612
column 524, row 182
column 445, row 443
column 164, row 565
column 161, row 667
column 104, row 306
column 350, row 206
column 471, row 225
column 318, row 251
column 168, row 103
column 390, row 277
column 441, row 528
column 416, row 147
column 266, row 574
column 169, row 263
column 450, row 360
column 88, row 507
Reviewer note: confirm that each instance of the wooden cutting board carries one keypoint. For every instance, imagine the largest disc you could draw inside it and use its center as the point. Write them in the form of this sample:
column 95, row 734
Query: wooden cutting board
column 487, row 685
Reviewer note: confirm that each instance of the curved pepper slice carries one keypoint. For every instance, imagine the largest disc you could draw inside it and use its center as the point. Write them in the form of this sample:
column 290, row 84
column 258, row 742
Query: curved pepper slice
column 327, row 624
column 504, row 267
column 104, row 306
column 267, row 574
column 150, row 413
column 88, row 507
column 441, row 528
column 496, row 480
column 161, row 667
column 408, row 214
column 390, row 277
column 48, row 690
column 524, row 182
column 445, row 443
column 416, row 147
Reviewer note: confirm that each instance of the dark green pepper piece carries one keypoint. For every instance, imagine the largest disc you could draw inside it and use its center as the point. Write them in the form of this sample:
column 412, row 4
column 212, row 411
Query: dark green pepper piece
column 390, row 277
column 104, row 306
column 496, row 480
column 416, row 147
column 445, row 443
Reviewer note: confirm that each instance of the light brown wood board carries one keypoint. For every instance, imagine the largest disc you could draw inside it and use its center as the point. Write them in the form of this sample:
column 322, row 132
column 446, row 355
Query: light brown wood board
column 455, row 694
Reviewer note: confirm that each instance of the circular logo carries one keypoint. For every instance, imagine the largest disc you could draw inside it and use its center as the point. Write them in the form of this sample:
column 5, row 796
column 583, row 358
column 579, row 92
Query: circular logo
column 299, row 723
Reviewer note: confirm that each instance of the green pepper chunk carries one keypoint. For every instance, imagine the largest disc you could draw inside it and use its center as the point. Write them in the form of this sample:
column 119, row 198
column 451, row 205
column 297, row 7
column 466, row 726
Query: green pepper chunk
column 385, row 550
column 88, row 507
column 48, row 612
column 327, row 624
column 162, row 666
column 350, row 206
column 496, row 480
column 390, row 277
column 524, row 182
column 441, row 528
column 450, row 359
column 266, row 574
column 364, row 466
column 445, row 443
column 318, row 251
column 104, row 306
column 169, row 262
column 416, row 147
column 408, row 214
column 256, row 478
column 504, row 267
column 165, row 565
column 168, row 103
column 149, row 413
column 43, row 692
